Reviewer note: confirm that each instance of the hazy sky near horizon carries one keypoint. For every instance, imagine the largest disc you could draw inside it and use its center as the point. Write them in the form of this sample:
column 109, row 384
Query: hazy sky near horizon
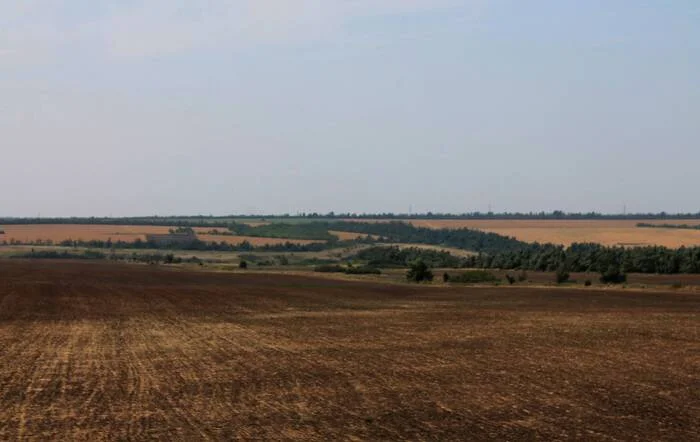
column 144, row 107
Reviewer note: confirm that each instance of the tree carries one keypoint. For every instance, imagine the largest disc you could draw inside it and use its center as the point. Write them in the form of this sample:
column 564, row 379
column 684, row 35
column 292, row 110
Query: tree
column 419, row 272
column 613, row 275
column 562, row 275
column 522, row 277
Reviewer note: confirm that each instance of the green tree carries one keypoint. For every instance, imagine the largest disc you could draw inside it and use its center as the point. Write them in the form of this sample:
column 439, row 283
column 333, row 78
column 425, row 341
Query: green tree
column 613, row 275
column 522, row 277
column 419, row 272
column 562, row 274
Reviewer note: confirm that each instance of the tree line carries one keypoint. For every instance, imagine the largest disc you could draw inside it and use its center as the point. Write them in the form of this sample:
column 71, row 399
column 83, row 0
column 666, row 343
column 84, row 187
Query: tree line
column 586, row 257
column 394, row 256
column 401, row 232
column 224, row 221
column 151, row 258
column 196, row 244
column 670, row 226
column 312, row 231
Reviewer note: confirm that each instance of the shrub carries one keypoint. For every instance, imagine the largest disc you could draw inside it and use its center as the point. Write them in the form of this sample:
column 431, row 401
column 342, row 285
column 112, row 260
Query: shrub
column 613, row 275
column 522, row 277
column 562, row 275
column 445, row 277
column 419, row 272
column 329, row 268
column 243, row 265
column 677, row 285
column 53, row 254
column 363, row 270
column 588, row 283
column 473, row 277
column 510, row 279
column 316, row 261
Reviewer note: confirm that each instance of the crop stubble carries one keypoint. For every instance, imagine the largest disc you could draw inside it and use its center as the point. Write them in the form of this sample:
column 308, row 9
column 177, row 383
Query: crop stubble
column 93, row 351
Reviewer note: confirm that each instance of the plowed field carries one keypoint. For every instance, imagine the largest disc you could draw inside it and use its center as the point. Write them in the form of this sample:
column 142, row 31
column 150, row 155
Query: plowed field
column 92, row 351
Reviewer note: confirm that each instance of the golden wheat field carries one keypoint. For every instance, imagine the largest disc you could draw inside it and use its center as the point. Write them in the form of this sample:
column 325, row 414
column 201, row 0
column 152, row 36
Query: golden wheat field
column 348, row 236
column 606, row 232
column 61, row 232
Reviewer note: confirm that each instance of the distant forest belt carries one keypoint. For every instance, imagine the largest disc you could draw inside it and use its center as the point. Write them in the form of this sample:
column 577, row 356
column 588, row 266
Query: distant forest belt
column 254, row 240
column 670, row 226
column 566, row 232
column 61, row 232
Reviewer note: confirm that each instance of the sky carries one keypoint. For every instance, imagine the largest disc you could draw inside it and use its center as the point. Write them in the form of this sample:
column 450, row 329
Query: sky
column 143, row 107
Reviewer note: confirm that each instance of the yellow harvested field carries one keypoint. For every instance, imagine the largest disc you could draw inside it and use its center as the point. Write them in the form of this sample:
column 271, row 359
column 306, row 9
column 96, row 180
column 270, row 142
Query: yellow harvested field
column 550, row 224
column 348, row 236
column 62, row 232
column 607, row 232
column 254, row 240
column 206, row 230
column 622, row 236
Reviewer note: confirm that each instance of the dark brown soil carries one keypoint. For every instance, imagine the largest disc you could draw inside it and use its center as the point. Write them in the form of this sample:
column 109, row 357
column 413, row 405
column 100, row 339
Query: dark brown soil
column 101, row 351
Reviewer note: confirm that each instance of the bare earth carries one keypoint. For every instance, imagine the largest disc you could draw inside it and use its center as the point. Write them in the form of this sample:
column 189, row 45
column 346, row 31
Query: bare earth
column 93, row 351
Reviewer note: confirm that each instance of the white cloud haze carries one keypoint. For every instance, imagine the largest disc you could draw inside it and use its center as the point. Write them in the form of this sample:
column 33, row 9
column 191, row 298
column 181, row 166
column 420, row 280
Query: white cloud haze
column 154, row 27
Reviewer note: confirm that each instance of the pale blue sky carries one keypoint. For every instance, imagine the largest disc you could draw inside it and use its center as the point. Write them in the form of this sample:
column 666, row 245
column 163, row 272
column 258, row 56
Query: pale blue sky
column 153, row 107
